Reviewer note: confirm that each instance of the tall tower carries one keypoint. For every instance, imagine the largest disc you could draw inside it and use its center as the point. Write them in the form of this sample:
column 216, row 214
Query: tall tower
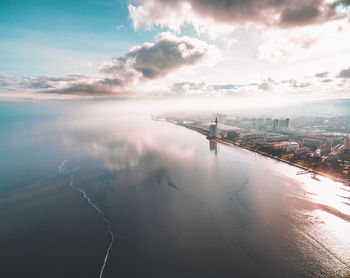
column 213, row 129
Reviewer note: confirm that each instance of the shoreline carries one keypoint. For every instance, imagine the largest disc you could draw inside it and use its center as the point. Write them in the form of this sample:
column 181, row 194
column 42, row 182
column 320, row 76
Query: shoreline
column 229, row 142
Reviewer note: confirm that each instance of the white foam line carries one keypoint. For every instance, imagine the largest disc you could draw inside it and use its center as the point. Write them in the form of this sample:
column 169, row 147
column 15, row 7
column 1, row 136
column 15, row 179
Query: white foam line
column 61, row 168
column 100, row 212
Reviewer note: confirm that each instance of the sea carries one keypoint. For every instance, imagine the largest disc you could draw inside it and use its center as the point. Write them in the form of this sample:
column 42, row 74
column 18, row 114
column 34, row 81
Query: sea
column 121, row 195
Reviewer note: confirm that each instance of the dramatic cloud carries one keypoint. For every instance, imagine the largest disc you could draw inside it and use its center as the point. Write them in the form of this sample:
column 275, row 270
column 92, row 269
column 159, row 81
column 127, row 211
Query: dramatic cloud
column 102, row 87
column 345, row 73
column 146, row 62
column 83, row 85
column 70, row 84
column 285, row 13
column 154, row 60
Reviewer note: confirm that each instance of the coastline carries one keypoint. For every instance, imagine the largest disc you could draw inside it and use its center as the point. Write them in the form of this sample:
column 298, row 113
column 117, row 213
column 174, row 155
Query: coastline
column 229, row 142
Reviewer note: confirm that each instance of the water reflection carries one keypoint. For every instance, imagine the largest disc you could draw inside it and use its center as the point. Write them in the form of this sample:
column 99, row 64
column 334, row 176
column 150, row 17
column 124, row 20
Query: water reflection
column 329, row 212
column 213, row 146
column 328, row 193
column 157, row 157
column 174, row 207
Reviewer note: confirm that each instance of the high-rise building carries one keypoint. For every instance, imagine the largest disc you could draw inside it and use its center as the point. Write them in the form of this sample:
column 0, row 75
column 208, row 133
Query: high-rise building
column 347, row 144
column 213, row 129
column 268, row 121
column 283, row 124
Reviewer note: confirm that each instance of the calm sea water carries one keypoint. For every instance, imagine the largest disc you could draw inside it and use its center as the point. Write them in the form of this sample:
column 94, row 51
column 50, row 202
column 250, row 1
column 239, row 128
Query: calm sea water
column 178, row 205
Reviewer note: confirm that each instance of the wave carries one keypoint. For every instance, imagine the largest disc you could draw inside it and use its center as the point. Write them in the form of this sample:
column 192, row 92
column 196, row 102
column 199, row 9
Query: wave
column 64, row 170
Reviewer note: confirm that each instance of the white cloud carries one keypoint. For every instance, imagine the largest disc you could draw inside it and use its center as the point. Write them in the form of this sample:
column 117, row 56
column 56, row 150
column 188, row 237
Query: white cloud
column 217, row 17
column 144, row 62
column 158, row 13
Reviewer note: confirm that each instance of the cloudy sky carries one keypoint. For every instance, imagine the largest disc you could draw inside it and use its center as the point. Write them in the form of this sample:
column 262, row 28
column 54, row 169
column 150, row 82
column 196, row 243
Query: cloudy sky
column 92, row 48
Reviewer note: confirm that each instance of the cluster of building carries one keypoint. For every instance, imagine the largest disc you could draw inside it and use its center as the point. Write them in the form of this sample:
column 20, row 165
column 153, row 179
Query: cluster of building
column 326, row 149
column 270, row 124
column 316, row 147
column 276, row 134
column 306, row 141
column 274, row 137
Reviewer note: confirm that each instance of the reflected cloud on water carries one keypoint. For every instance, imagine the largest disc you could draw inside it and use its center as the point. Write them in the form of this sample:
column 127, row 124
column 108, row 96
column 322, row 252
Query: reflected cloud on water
column 233, row 200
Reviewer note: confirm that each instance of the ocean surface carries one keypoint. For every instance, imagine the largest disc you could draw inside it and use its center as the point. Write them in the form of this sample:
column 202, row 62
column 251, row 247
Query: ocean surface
column 124, row 196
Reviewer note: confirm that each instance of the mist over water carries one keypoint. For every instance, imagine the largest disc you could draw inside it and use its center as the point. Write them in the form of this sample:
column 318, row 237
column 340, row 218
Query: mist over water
column 179, row 205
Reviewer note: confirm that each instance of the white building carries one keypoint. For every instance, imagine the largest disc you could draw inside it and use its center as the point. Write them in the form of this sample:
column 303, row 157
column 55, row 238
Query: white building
column 291, row 147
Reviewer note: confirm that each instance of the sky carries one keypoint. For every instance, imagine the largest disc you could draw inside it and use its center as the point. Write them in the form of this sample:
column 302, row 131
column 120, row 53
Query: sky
column 256, row 49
